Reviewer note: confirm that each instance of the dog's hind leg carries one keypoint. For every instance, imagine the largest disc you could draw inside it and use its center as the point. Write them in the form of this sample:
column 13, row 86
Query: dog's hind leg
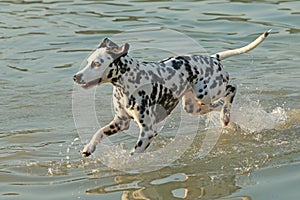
column 194, row 107
column 119, row 123
column 225, row 112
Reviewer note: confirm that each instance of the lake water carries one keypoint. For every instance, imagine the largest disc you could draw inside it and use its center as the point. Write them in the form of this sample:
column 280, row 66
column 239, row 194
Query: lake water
column 43, row 43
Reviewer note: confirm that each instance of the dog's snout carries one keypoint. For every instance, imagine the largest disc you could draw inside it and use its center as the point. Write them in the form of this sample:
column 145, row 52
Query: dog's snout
column 77, row 78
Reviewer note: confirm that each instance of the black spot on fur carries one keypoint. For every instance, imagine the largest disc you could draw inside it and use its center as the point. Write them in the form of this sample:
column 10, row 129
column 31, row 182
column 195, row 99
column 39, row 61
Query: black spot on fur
column 109, row 132
column 185, row 58
column 188, row 68
column 150, row 137
column 110, row 74
column 266, row 34
column 147, row 145
column 200, row 96
column 140, row 143
column 176, row 64
column 219, row 68
column 213, row 85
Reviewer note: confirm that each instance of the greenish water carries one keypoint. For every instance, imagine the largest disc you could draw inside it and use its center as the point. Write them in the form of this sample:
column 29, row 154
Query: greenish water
column 43, row 44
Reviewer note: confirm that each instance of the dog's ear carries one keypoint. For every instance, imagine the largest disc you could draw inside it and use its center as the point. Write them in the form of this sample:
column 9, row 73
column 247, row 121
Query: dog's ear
column 113, row 48
column 123, row 49
column 120, row 51
column 108, row 43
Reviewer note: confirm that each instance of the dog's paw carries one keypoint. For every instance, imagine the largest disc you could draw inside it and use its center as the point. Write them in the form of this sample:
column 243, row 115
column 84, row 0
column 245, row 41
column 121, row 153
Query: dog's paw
column 232, row 126
column 225, row 119
column 88, row 150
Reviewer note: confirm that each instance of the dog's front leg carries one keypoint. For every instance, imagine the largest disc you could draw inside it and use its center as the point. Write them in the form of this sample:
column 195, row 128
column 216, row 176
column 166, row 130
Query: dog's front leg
column 146, row 119
column 144, row 141
column 116, row 125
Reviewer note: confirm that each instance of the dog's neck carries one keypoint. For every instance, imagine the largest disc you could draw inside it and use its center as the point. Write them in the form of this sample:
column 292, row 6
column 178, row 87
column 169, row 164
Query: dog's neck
column 120, row 66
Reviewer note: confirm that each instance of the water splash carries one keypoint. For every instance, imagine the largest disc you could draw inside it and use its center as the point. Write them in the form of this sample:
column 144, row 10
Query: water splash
column 252, row 117
column 249, row 115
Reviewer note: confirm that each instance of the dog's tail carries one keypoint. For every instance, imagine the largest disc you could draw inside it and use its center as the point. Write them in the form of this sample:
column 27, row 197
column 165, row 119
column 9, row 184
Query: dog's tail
column 225, row 54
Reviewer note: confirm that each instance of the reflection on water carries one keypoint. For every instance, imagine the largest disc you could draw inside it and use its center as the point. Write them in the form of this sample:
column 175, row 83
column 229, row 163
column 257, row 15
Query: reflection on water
column 149, row 186
column 43, row 44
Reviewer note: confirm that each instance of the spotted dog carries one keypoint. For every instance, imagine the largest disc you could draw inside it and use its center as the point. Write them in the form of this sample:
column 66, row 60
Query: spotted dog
column 148, row 91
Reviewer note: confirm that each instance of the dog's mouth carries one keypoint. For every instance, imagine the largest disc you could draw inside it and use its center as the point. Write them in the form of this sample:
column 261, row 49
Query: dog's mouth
column 91, row 83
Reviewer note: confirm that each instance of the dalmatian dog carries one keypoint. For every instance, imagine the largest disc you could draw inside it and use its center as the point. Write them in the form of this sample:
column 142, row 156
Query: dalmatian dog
column 147, row 92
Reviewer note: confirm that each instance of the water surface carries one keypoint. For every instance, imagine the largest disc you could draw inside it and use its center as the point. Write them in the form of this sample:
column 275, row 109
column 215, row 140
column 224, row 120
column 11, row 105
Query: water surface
column 43, row 44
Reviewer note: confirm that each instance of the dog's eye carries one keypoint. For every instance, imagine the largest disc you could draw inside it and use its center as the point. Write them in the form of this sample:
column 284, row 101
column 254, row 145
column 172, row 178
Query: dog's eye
column 95, row 64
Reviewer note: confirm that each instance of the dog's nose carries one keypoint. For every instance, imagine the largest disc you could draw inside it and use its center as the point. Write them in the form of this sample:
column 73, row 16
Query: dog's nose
column 77, row 78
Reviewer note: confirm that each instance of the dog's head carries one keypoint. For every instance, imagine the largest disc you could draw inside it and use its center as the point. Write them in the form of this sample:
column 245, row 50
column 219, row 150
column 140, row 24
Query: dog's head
column 99, row 64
